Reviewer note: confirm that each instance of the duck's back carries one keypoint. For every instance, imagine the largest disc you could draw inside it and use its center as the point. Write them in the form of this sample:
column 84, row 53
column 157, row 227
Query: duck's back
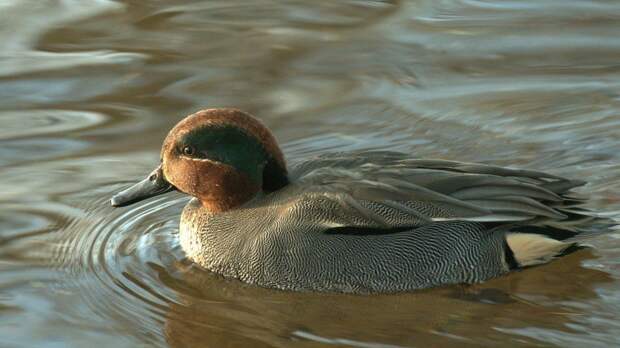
column 379, row 221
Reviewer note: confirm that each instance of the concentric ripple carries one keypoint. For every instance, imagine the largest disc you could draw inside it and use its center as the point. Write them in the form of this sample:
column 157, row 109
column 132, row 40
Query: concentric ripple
column 115, row 258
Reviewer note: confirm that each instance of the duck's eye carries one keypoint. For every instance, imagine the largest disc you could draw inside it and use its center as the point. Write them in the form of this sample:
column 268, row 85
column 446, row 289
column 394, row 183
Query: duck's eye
column 188, row 150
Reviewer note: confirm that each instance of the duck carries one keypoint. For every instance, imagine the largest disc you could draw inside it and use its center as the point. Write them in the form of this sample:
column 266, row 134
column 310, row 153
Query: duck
column 355, row 222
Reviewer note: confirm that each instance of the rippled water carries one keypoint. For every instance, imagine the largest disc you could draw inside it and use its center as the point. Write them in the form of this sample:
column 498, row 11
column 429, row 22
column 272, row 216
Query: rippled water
column 89, row 88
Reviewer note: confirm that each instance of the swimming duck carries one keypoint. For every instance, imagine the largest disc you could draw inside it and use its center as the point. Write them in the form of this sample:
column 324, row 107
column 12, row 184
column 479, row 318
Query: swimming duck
column 364, row 221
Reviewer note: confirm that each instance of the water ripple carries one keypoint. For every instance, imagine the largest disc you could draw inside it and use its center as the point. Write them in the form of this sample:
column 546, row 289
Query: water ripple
column 19, row 56
column 28, row 123
column 114, row 259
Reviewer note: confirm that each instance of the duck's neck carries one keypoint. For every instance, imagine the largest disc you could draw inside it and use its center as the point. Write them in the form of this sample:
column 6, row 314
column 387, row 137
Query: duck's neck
column 226, row 195
column 233, row 189
column 223, row 205
column 216, row 207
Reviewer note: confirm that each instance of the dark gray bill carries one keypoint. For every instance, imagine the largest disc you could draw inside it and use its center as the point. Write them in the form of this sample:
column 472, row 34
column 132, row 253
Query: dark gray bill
column 155, row 184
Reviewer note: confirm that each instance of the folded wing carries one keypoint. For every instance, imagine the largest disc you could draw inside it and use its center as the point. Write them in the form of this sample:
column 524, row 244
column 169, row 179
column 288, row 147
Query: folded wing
column 387, row 190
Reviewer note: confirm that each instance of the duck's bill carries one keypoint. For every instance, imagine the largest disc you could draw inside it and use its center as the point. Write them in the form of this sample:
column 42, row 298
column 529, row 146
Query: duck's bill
column 154, row 184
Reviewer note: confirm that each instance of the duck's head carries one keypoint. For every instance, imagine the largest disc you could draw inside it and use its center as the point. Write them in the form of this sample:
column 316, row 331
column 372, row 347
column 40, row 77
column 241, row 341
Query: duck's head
column 223, row 157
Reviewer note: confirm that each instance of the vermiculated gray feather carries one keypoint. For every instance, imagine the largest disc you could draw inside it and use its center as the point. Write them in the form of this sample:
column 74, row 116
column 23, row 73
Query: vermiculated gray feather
column 382, row 222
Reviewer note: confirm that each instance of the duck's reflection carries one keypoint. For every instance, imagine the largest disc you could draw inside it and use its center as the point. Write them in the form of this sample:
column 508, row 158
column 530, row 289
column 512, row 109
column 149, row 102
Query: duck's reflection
column 216, row 312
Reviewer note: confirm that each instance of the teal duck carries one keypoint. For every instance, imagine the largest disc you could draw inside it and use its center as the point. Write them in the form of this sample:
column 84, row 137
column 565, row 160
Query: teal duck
column 361, row 222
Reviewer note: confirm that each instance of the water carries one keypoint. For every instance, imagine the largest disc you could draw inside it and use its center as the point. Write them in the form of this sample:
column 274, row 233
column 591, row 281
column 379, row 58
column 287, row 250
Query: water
column 89, row 88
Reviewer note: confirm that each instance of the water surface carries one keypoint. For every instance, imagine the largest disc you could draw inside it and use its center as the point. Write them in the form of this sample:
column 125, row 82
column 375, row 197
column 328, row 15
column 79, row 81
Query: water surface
column 89, row 88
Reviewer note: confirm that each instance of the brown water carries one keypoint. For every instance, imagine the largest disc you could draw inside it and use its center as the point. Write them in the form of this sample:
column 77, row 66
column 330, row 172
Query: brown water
column 89, row 88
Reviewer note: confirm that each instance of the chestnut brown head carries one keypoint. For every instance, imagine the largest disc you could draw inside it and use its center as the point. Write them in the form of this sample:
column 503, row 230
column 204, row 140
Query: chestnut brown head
column 223, row 157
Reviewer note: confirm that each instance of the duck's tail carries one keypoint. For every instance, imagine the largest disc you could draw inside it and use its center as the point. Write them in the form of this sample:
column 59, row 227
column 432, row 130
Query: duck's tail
column 541, row 241
column 529, row 249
